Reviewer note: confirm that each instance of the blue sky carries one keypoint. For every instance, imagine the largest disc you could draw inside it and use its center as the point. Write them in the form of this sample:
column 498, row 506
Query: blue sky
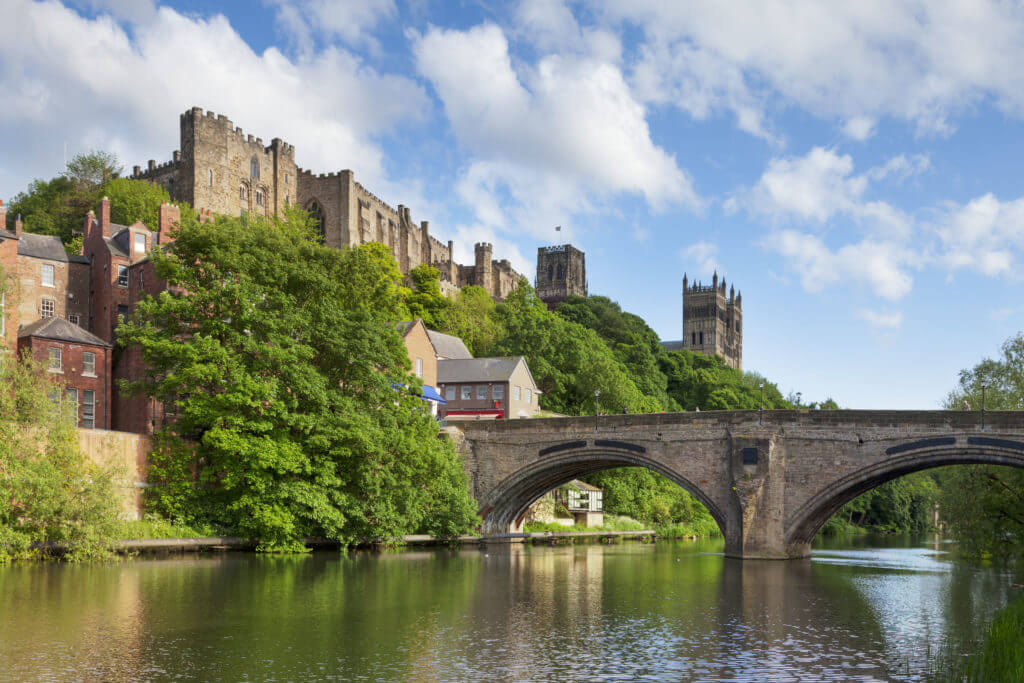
column 854, row 170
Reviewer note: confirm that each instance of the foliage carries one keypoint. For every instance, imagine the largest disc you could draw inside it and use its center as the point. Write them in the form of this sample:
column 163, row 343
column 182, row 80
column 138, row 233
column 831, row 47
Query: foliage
column 281, row 358
column 611, row 523
column 425, row 300
column 901, row 505
column 154, row 526
column 1000, row 657
column 135, row 200
column 49, row 491
column 472, row 319
column 58, row 206
column 706, row 382
column 648, row 496
column 984, row 505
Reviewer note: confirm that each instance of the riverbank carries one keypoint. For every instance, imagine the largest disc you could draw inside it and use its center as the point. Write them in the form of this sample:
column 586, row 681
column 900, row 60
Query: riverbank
column 1000, row 657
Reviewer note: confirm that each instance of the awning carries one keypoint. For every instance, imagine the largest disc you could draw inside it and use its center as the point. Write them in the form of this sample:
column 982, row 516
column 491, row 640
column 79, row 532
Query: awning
column 431, row 394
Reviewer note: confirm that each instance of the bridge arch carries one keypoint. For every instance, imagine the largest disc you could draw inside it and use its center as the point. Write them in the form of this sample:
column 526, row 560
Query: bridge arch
column 505, row 505
column 808, row 519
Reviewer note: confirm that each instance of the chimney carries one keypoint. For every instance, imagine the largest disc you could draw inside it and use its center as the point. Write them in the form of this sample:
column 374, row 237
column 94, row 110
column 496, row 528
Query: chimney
column 105, row 216
column 17, row 226
column 169, row 218
column 87, row 224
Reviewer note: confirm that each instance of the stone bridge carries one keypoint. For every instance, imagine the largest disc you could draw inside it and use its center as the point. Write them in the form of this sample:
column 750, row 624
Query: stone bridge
column 770, row 483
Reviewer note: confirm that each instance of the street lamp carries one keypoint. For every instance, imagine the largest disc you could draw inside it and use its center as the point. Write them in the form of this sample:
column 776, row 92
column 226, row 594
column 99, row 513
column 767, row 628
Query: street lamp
column 597, row 394
column 984, row 385
column 760, row 414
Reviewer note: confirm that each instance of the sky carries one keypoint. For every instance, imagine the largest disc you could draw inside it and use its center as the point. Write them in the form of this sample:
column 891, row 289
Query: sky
column 853, row 168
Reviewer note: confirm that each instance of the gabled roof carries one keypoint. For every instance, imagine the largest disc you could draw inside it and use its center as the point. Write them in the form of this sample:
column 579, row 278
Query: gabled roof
column 114, row 247
column 448, row 346
column 47, row 247
column 60, row 330
column 498, row 369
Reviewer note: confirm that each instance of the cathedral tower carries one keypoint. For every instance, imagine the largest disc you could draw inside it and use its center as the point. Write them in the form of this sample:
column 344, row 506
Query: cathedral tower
column 713, row 320
column 561, row 273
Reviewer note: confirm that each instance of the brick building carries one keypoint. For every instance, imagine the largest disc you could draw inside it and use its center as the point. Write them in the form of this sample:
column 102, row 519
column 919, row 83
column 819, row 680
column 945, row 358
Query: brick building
column 220, row 168
column 81, row 359
column 488, row 388
column 8, row 269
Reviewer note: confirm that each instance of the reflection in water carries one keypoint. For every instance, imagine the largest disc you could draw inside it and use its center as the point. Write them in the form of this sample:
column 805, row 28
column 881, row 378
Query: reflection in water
column 668, row 611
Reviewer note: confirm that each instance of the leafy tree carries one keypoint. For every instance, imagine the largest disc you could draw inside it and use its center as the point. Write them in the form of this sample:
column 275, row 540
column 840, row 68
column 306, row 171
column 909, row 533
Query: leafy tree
column 568, row 361
column 425, row 300
column 706, row 382
column 472, row 319
column 282, row 359
column 58, row 206
column 135, row 200
column 49, row 491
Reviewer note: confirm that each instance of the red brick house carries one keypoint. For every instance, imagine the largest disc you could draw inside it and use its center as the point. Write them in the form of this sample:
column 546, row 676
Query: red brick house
column 8, row 267
column 81, row 359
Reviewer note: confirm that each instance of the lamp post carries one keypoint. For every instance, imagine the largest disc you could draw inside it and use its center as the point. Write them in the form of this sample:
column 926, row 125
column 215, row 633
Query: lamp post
column 984, row 385
column 760, row 413
column 597, row 410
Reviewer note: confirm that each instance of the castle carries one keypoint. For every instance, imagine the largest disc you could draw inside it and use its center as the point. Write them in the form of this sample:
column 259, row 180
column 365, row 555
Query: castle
column 222, row 170
column 712, row 321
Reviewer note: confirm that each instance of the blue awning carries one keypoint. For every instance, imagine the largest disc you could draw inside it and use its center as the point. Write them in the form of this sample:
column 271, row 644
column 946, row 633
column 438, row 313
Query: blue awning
column 431, row 394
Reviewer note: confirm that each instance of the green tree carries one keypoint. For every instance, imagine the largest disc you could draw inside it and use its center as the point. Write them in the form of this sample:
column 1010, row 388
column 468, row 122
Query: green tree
column 282, row 359
column 472, row 319
column 425, row 299
column 135, row 200
column 49, row 490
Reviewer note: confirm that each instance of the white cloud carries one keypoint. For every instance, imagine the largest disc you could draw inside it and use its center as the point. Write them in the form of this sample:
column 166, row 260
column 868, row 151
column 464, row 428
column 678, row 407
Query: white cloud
column 881, row 266
column 123, row 92
column 345, row 20
column 984, row 235
column 549, row 142
column 890, row 320
column 703, row 255
column 914, row 60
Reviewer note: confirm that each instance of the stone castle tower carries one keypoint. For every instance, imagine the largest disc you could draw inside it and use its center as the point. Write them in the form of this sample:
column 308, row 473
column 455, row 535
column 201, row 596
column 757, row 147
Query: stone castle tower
column 561, row 273
column 713, row 320
column 221, row 169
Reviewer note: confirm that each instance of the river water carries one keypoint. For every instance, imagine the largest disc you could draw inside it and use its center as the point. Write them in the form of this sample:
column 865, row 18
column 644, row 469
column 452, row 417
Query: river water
column 665, row 611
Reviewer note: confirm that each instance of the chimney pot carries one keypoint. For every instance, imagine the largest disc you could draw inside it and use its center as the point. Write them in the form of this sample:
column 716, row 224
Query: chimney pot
column 105, row 216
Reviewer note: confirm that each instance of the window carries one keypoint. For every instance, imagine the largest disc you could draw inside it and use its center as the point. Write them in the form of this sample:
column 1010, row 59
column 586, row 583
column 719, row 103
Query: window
column 259, row 198
column 254, row 169
column 71, row 396
column 73, row 318
column 693, row 340
column 449, row 393
column 209, row 178
column 89, row 364
column 467, row 392
column 122, row 312
column 701, row 337
column 419, row 368
column 516, row 392
column 529, row 396
column 241, row 192
column 122, row 276
column 46, row 308
column 286, row 176
column 559, row 273
column 316, row 217
column 47, row 276
column 89, row 409
column 56, row 360
column 142, row 281
column 481, row 392
column 551, row 272
column 140, row 242
column 287, row 200
column 498, row 391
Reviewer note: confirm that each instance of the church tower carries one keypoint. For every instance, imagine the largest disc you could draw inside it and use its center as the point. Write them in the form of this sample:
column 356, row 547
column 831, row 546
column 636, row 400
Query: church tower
column 713, row 320
column 561, row 273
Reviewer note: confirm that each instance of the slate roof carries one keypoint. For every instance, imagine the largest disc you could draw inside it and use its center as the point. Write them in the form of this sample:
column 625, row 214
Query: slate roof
column 478, row 369
column 672, row 345
column 78, row 258
column 448, row 346
column 114, row 247
column 48, row 247
column 60, row 330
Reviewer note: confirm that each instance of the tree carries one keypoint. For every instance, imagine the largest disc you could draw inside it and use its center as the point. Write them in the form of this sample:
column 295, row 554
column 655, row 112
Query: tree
column 472, row 319
column 284, row 365
column 425, row 300
column 135, row 200
column 92, row 170
column 49, row 491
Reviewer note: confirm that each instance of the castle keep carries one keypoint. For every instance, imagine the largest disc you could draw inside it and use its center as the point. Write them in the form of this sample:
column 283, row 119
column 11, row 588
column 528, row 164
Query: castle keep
column 712, row 321
column 561, row 273
column 221, row 169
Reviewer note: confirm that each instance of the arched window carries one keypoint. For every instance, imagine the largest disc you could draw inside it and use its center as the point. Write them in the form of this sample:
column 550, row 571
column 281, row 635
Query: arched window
column 551, row 272
column 316, row 215
column 559, row 272
column 254, row 169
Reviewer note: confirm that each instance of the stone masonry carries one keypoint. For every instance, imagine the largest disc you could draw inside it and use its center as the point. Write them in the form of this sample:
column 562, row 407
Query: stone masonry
column 712, row 321
column 769, row 484
column 221, row 169
column 561, row 273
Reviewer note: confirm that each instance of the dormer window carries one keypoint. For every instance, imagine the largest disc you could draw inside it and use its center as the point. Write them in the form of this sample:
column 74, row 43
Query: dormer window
column 140, row 242
column 254, row 169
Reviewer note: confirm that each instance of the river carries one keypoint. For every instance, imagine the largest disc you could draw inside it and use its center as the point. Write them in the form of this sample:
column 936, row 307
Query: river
column 665, row 611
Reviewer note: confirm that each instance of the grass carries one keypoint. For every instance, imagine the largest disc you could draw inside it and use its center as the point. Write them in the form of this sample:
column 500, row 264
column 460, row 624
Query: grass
column 155, row 527
column 1000, row 657
column 700, row 528
column 611, row 523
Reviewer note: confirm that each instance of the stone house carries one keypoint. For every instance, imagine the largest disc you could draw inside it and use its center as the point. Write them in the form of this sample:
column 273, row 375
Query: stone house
column 81, row 359
column 488, row 388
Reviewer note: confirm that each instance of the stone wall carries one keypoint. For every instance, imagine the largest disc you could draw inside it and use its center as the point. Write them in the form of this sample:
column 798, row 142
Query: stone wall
column 129, row 452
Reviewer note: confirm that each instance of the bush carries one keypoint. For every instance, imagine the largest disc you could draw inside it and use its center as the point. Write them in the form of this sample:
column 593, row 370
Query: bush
column 1001, row 655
